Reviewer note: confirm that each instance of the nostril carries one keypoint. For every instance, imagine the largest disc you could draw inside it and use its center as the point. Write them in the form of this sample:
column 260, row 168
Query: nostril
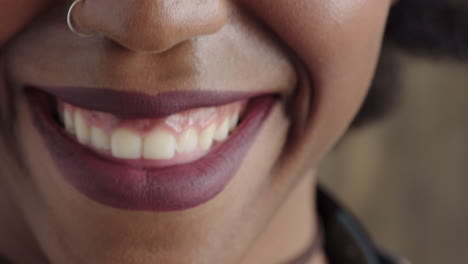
column 155, row 25
column 71, row 24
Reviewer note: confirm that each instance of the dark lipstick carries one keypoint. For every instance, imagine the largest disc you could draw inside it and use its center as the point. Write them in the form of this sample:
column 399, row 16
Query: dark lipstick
column 122, row 186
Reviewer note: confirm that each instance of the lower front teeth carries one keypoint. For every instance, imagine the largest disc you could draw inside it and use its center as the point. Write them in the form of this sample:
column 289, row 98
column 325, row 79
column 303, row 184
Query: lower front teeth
column 161, row 143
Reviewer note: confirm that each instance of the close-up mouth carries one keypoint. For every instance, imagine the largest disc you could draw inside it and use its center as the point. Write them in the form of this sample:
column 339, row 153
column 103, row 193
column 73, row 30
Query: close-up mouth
column 230, row 131
column 167, row 152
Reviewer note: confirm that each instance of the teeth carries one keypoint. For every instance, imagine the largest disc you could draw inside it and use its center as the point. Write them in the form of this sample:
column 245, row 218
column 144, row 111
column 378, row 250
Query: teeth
column 222, row 132
column 126, row 144
column 206, row 137
column 159, row 145
column 233, row 121
column 101, row 132
column 99, row 139
column 82, row 129
column 188, row 141
column 68, row 122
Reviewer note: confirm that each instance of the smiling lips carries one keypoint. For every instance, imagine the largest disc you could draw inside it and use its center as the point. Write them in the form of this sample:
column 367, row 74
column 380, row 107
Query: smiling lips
column 133, row 151
column 178, row 138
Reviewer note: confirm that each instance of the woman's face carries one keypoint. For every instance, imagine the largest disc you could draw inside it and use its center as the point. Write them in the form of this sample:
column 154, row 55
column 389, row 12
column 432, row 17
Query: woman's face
column 117, row 151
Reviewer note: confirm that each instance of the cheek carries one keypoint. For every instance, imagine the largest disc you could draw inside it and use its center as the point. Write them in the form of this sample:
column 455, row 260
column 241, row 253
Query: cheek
column 335, row 39
column 338, row 42
column 324, row 33
column 15, row 14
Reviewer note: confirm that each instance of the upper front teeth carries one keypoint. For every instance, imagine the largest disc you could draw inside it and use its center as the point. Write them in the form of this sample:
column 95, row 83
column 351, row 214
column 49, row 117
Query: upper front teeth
column 161, row 141
column 222, row 132
column 126, row 144
column 99, row 139
column 159, row 145
column 68, row 120
column 187, row 141
column 81, row 128
column 206, row 137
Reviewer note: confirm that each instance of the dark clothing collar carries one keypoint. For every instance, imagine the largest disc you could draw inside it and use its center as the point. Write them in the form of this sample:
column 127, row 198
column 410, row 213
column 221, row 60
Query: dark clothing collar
column 345, row 241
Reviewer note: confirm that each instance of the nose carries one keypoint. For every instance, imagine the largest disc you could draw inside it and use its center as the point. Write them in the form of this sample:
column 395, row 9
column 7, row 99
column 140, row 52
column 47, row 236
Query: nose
column 151, row 25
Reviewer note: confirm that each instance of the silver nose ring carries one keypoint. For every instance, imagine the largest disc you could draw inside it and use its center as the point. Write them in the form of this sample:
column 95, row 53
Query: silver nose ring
column 70, row 22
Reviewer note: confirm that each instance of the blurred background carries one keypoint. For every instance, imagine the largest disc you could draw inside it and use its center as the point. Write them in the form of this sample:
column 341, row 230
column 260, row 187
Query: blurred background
column 405, row 176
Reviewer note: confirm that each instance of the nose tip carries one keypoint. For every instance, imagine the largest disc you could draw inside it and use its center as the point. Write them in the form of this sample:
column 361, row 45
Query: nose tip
column 153, row 25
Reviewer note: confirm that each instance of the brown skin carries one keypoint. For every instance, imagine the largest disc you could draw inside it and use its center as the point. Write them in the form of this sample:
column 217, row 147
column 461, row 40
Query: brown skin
column 264, row 215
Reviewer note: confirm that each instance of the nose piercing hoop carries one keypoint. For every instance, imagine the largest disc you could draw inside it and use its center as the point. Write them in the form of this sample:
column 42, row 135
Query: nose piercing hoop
column 70, row 23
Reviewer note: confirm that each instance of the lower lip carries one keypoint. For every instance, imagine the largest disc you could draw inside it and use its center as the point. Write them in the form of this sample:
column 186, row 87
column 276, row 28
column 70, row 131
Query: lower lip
column 171, row 188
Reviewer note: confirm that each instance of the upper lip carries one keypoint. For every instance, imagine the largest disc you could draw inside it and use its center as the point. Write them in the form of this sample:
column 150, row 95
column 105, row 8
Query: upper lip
column 140, row 105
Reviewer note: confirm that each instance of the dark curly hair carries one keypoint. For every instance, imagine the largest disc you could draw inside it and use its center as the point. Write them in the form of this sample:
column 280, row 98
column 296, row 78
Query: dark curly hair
column 432, row 28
